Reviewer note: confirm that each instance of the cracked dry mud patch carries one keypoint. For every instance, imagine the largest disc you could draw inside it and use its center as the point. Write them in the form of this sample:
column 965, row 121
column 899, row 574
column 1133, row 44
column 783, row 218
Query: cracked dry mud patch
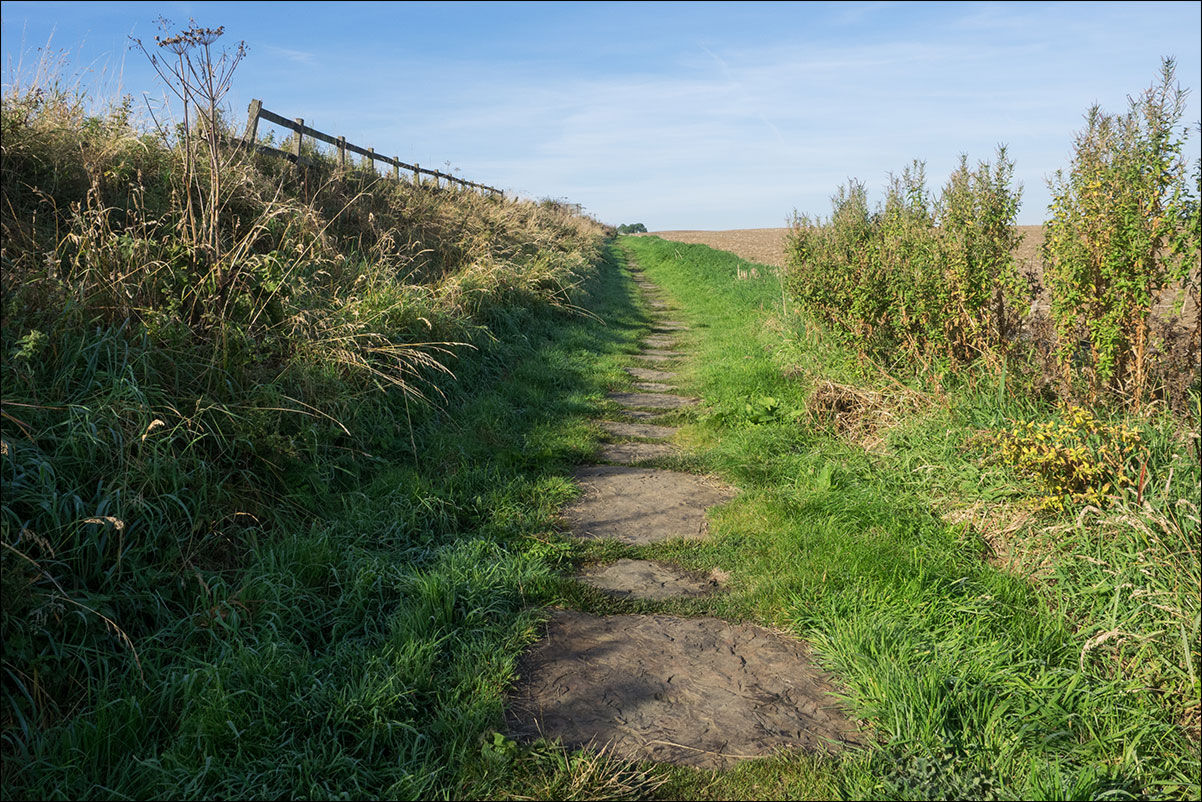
column 661, row 340
column 654, row 387
column 642, row 505
column 649, row 374
column 697, row 692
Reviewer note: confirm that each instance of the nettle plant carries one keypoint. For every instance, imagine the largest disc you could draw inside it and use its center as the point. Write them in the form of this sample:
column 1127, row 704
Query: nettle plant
column 1123, row 228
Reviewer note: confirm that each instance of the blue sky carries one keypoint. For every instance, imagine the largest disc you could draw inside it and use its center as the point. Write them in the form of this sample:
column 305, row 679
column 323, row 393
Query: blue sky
column 677, row 115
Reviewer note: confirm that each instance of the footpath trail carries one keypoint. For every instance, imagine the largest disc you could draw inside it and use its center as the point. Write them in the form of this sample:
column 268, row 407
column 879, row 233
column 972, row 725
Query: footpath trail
column 699, row 692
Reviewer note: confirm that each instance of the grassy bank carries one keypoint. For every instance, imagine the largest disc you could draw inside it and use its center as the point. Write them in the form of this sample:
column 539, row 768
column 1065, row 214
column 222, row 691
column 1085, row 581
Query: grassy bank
column 362, row 645
column 278, row 492
column 990, row 648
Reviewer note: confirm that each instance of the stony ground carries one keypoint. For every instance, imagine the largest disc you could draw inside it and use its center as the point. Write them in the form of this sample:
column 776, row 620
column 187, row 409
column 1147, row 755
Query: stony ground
column 699, row 692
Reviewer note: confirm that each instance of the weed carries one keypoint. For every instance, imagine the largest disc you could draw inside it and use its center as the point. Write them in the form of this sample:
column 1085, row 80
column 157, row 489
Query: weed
column 1123, row 229
column 1079, row 459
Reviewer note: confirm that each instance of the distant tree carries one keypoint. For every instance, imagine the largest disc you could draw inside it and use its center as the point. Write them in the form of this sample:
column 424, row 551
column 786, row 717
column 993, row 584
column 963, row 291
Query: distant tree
column 632, row 228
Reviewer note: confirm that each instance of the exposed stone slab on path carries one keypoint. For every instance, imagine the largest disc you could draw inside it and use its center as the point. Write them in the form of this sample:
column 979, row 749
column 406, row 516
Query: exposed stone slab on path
column 637, row 429
column 644, row 579
column 654, row 387
column 652, row 400
column 660, row 340
column 647, row 374
column 630, row 453
column 670, row 325
column 694, row 692
column 642, row 505
column 660, row 357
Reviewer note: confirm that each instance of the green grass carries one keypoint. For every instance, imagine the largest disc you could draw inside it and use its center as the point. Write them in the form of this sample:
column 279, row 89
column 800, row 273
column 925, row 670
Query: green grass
column 241, row 559
column 363, row 649
column 974, row 679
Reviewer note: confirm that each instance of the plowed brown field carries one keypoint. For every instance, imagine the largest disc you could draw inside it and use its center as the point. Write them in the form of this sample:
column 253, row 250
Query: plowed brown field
column 767, row 245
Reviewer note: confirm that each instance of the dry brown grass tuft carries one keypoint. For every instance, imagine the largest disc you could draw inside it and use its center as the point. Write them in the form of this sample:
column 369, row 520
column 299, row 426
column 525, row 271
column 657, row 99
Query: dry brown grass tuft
column 860, row 415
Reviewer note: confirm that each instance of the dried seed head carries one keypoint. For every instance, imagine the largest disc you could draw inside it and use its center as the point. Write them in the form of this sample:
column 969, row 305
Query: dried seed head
column 116, row 523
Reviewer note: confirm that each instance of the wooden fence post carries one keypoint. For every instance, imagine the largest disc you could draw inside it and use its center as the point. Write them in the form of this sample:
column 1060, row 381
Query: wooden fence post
column 417, row 175
column 396, row 167
column 342, row 153
column 252, row 121
column 300, row 126
column 371, row 159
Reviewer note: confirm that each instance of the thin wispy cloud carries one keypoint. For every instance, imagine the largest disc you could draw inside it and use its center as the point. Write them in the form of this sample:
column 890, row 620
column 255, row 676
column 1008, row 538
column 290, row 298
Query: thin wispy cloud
column 296, row 56
column 698, row 116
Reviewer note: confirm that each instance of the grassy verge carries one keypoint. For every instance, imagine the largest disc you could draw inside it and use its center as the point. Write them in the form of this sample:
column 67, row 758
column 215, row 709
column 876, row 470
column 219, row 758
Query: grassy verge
column 363, row 650
column 990, row 650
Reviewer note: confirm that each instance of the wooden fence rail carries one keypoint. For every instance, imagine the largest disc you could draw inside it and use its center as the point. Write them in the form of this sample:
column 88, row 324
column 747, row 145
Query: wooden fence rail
column 299, row 130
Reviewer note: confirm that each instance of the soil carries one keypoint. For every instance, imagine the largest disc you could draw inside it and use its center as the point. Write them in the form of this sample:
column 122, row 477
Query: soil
column 631, row 453
column 621, row 429
column 652, row 400
column 697, row 692
column 642, row 505
column 643, row 579
column 765, row 246
column 646, row 374
column 644, row 414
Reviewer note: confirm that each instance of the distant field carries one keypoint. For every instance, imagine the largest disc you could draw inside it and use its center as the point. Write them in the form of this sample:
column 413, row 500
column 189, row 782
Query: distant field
column 763, row 245
column 767, row 245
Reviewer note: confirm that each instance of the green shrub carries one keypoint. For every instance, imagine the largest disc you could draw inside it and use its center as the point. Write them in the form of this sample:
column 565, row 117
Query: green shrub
column 914, row 279
column 1123, row 228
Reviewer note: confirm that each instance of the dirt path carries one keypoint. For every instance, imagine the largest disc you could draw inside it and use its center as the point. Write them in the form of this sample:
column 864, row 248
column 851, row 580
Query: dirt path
column 691, row 691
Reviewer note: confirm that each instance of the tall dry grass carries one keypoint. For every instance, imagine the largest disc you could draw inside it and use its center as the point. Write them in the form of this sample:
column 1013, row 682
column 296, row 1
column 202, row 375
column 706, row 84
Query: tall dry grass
column 173, row 380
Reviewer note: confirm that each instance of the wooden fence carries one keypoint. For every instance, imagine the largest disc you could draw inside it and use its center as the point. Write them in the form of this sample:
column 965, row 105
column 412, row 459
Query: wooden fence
column 300, row 131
